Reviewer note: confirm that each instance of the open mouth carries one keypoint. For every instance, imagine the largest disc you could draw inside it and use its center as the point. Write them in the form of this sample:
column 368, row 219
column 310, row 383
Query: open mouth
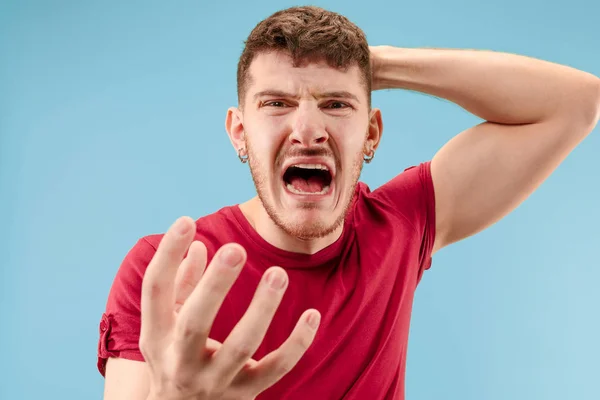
column 308, row 179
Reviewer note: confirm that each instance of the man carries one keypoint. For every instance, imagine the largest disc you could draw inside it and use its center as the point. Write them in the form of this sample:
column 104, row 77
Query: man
column 347, row 259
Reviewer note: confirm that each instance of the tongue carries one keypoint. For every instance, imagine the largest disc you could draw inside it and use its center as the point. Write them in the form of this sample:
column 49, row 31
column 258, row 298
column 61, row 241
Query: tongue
column 314, row 184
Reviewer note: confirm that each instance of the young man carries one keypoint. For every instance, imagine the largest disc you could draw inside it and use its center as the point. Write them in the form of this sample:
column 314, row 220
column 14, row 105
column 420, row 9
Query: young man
column 347, row 259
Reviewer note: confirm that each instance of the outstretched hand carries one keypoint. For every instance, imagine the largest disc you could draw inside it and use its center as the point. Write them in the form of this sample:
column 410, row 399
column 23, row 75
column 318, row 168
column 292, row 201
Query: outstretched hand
column 180, row 300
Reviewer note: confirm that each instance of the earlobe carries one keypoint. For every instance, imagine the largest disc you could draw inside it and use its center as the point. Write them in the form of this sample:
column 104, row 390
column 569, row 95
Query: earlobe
column 235, row 128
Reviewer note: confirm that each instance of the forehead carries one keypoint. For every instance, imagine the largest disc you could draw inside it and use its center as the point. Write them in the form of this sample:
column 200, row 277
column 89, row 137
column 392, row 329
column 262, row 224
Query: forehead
column 275, row 70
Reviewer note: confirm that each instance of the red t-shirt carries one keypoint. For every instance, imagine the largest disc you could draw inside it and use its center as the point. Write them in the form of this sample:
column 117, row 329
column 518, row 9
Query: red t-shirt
column 363, row 285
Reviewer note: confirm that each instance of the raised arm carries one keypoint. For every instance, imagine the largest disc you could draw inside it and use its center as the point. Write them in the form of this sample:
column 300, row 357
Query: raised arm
column 536, row 113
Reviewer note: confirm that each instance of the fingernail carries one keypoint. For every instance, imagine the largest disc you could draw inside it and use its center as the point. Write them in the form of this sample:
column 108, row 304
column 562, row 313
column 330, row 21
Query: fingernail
column 313, row 320
column 276, row 280
column 231, row 257
column 182, row 226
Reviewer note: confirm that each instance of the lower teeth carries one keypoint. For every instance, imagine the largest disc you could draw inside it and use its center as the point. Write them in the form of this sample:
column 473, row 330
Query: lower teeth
column 296, row 191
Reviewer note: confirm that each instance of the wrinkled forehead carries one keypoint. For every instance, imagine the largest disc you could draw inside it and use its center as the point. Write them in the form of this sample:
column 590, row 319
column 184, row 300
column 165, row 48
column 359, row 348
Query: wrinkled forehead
column 276, row 71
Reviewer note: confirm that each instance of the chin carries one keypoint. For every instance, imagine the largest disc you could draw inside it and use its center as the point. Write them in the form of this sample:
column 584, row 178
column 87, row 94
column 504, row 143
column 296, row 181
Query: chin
column 308, row 228
column 305, row 220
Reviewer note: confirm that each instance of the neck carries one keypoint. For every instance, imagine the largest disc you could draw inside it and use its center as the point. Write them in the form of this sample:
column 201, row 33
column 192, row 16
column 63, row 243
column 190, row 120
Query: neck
column 257, row 216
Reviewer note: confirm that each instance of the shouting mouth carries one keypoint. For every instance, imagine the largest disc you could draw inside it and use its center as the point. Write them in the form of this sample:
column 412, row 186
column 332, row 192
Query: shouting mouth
column 308, row 179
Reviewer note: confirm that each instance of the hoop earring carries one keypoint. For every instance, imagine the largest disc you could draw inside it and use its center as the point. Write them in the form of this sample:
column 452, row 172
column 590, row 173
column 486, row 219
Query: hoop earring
column 243, row 158
column 368, row 158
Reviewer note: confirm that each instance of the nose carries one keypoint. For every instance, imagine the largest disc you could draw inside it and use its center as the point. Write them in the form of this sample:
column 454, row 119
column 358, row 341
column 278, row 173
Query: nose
column 308, row 129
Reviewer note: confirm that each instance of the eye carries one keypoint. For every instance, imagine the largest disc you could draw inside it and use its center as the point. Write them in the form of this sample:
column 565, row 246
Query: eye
column 337, row 105
column 276, row 104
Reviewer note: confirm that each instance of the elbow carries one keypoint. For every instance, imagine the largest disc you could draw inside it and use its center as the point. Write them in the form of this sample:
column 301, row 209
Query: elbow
column 591, row 103
column 583, row 109
column 596, row 101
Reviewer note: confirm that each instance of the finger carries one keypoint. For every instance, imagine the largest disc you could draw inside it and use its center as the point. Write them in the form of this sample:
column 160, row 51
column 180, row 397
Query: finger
column 158, row 283
column 189, row 273
column 212, row 346
column 199, row 311
column 247, row 335
column 278, row 363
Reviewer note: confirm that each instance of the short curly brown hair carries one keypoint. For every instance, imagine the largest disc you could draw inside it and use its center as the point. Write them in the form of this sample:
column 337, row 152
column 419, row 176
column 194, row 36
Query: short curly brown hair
column 306, row 34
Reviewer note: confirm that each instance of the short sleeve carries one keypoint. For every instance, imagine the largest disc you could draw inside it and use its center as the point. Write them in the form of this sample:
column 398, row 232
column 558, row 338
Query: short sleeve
column 411, row 195
column 119, row 328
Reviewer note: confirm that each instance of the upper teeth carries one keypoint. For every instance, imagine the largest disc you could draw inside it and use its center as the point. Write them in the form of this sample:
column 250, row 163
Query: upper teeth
column 311, row 166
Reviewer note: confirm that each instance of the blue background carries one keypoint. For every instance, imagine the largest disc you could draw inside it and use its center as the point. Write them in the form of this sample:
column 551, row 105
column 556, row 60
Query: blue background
column 112, row 126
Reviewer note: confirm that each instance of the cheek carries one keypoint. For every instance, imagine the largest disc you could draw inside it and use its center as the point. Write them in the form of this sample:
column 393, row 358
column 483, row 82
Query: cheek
column 270, row 147
column 350, row 146
column 349, row 135
column 263, row 152
column 259, row 141
column 351, row 152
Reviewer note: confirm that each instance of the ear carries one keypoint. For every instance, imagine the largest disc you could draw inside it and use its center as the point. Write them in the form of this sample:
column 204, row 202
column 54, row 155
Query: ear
column 234, row 124
column 375, row 131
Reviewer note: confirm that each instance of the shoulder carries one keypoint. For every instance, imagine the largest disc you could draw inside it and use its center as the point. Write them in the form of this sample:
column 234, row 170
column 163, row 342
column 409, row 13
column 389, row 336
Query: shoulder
column 125, row 290
column 403, row 209
column 408, row 195
column 211, row 229
column 413, row 181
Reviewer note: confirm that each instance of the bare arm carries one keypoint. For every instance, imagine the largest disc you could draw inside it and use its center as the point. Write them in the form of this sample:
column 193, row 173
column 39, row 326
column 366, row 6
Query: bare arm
column 126, row 379
column 537, row 112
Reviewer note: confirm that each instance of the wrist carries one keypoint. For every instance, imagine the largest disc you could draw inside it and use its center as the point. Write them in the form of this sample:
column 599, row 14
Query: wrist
column 385, row 62
column 154, row 395
column 416, row 69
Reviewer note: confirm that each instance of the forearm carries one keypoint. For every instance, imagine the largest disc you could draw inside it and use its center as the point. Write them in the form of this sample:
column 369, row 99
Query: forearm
column 497, row 87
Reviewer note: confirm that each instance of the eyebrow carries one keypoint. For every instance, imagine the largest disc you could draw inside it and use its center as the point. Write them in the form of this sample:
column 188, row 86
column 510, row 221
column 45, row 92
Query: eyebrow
column 341, row 94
